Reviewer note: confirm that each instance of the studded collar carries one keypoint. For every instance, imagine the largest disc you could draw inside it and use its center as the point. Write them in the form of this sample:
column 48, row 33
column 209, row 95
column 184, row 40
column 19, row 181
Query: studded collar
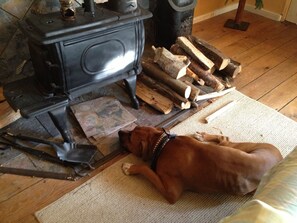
column 159, row 146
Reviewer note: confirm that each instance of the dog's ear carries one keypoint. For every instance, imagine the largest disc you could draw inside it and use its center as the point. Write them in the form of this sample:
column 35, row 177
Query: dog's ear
column 144, row 150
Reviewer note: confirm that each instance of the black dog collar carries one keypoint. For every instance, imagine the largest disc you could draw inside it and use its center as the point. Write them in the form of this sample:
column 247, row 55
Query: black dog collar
column 164, row 138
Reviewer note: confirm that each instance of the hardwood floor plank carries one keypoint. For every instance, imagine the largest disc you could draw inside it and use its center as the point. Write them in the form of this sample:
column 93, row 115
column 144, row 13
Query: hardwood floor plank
column 7, row 114
column 282, row 94
column 261, row 33
column 236, row 36
column 248, row 78
column 22, row 206
column 211, row 28
column 290, row 110
column 267, row 46
column 12, row 185
column 271, row 79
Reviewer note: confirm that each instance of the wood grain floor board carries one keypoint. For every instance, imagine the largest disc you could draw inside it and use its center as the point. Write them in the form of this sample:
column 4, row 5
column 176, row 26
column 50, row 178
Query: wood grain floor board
column 290, row 110
column 237, row 37
column 271, row 79
column 280, row 95
column 267, row 46
column 262, row 32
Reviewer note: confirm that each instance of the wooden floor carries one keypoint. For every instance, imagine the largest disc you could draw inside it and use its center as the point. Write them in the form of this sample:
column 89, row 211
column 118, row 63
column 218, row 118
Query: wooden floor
column 268, row 53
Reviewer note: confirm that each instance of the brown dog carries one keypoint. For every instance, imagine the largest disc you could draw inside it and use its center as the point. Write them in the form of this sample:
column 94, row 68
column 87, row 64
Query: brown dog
column 205, row 163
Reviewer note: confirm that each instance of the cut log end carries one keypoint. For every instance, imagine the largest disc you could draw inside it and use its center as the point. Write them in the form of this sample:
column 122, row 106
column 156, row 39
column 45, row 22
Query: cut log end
column 187, row 92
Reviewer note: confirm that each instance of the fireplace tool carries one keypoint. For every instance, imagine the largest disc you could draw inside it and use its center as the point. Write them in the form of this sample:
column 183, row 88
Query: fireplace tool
column 66, row 150
column 68, row 154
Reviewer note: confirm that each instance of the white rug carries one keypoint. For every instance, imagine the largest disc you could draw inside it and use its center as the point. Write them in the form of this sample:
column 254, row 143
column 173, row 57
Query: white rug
column 113, row 197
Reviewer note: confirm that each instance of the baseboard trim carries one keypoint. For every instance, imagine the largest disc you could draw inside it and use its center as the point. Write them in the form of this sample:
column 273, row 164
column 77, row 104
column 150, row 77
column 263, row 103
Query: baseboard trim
column 215, row 13
column 248, row 7
column 263, row 12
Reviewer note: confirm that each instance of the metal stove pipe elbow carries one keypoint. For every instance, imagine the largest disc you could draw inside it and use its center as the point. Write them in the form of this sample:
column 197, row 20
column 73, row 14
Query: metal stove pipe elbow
column 89, row 6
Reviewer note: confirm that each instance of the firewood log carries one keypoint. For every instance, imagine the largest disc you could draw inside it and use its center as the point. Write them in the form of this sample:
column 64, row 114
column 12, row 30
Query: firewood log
column 217, row 113
column 209, row 79
column 198, row 80
column 173, row 65
column 154, row 99
column 194, row 91
column 196, row 54
column 214, row 94
column 162, row 89
column 232, row 70
column 154, row 71
column 217, row 57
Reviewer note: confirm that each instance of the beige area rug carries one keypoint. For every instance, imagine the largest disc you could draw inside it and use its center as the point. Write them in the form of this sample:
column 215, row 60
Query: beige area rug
column 113, row 197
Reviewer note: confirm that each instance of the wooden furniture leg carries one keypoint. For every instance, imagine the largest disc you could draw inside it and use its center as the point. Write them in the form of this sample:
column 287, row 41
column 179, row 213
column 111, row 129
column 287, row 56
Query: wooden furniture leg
column 237, row 23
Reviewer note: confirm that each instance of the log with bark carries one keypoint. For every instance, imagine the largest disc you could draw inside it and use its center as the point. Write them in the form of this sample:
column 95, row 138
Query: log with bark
column 166, row 91
column 173, row 65
column 210, row 80
column 154, row 99
column 217, row 57
column 155, row 72
column 232, row 70
column 195, row 53
column 195, row 77
column 194, row 91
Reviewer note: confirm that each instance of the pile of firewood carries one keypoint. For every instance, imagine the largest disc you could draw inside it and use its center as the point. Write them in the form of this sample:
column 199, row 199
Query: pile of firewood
column 172, row 78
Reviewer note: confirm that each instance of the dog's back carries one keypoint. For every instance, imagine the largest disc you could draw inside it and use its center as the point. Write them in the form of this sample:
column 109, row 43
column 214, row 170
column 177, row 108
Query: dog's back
column 210, row 164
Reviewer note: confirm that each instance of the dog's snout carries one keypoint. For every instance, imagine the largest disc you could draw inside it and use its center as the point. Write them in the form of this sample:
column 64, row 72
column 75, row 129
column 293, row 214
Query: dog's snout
column 120, row 133
column 123, row 134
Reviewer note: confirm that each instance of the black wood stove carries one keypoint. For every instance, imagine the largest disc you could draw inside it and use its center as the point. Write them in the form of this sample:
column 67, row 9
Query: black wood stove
column 73, row 52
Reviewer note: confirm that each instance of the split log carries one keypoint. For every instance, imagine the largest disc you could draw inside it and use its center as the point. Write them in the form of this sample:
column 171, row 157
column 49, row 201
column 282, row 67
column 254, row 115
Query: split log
column 194, row 91
column 217, row 113
column 198, row 80
column 178, row 100
column 154, row 71
column 232, row 70
column 196, row 54
column 217, row 57
column 214, row 94
column 154, row 99
column 173, row 65
column 209, row 79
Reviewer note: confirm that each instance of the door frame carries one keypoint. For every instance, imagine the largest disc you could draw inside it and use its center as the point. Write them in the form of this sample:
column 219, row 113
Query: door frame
column 286, row 9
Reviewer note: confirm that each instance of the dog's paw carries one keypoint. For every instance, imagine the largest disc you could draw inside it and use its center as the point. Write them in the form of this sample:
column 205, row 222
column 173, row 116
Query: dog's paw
column 200, row 136
column 126, row 167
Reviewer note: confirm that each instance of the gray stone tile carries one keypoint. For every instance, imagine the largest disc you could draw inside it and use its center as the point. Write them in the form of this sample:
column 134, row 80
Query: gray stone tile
column 8, row 26
column 45, row 6
column 15, row 53
column 17, row 8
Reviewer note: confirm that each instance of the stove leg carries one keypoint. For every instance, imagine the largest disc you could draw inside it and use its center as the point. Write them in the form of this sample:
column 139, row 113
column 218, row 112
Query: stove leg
column 59, row 118
column 130, row 84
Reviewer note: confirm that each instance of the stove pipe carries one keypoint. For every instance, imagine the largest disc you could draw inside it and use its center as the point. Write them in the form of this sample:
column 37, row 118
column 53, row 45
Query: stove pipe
column 89, row 6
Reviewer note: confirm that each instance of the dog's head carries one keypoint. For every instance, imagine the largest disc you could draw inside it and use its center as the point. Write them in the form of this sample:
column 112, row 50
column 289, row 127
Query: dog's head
column 140, row 140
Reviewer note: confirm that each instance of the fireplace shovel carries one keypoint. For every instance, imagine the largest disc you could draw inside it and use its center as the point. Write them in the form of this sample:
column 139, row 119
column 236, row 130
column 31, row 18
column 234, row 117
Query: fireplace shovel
column 66, row 151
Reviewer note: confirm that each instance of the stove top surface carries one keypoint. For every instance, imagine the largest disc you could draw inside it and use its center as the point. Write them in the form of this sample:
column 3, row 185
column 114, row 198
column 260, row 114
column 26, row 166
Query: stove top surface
column 49, row 28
